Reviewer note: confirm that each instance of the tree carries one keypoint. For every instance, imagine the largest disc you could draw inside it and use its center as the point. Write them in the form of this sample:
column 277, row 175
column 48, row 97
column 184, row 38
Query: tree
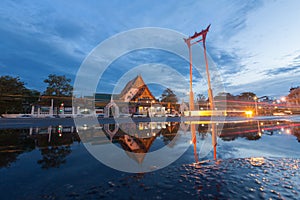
column 54, row 156
column 14, row 96
column 13, row 143
column 224, row 96
column 247, row 96
column 201, row 98
column 169, row 96
column 58, row 86
column 30, row 97
column 202, row 101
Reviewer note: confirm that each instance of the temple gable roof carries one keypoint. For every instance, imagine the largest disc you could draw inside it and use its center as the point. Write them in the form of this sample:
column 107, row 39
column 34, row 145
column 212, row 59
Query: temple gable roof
column 135, row 89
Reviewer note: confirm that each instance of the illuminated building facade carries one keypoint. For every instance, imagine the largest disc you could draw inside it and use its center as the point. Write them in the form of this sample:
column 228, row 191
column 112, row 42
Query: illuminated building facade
column 134, row 98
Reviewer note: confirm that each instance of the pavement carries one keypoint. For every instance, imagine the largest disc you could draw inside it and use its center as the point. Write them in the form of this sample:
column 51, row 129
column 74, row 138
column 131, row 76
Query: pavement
column 6, row 123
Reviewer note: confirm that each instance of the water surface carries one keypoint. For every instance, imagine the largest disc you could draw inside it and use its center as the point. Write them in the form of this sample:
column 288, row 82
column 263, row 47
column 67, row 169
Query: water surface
column 255, row 159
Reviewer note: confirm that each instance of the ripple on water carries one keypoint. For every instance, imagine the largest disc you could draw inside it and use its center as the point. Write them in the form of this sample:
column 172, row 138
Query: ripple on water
column 249, row 178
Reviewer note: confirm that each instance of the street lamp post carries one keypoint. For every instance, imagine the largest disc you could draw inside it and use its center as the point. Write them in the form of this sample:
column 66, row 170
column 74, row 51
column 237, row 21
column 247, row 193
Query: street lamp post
column 255, row 99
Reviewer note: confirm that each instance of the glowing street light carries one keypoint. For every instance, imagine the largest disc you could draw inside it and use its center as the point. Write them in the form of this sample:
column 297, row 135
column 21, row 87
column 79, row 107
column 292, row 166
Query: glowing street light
column 283, row 99
column 255, row 99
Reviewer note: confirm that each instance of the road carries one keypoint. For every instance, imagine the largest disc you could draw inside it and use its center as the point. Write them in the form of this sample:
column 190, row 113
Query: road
column 6, row 123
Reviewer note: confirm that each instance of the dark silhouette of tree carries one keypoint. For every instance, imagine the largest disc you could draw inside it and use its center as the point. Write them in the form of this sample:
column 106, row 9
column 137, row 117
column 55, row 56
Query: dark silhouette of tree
column 224, row 96
column 201, row 98
column 202, row 101
column 247, row 96
column 253, row 136
column 225, row 99
column 11, row 90
column 14, row 96
column 228, row 138
column 169, row 96
column 54, row 156
column 30, row 97
column 58, row 86
column 14, row 142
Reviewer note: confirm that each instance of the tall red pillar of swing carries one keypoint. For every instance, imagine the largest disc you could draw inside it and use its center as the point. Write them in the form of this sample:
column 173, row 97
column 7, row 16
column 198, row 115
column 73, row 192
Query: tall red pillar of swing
column 203, row 34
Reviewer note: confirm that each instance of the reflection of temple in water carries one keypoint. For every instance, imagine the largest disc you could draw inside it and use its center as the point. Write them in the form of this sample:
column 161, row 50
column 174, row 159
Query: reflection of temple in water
column 138, row 147
column 137, row 139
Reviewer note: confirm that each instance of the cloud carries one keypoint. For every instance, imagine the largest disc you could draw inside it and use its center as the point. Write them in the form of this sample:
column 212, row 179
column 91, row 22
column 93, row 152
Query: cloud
column 248, row 40
column 282, row 70
column 150, row 59
column 258, row 45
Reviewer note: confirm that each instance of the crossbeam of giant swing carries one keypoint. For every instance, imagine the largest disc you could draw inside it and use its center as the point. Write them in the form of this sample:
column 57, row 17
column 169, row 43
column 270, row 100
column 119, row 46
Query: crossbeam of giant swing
column 190, row 41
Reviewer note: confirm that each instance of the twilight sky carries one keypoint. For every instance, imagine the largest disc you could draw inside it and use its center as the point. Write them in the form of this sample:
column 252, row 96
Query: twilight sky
column 254, row 44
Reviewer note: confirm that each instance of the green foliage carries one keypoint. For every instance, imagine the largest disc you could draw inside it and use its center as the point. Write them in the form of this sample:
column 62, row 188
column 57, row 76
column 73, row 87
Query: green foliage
column 169, row 96
column 14, row 96
column 247, row 96
column 224, row 96
column 11, row 85
column 58, row 86
column 201, row 98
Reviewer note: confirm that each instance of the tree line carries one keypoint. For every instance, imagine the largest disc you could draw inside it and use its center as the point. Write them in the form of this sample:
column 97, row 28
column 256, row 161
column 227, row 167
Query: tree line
column 15, row 97
column 169, row 96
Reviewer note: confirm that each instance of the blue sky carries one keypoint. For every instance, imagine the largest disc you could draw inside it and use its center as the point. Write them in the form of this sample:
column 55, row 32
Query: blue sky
column 255, row 44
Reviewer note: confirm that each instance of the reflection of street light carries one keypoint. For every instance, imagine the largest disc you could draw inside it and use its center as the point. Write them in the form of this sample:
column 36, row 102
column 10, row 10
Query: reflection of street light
column 255, row 99
column 258, row 127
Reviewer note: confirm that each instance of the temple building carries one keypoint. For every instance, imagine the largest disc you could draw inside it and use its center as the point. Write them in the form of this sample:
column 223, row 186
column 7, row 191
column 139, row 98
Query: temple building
column 134, row 98
column 137, row 91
